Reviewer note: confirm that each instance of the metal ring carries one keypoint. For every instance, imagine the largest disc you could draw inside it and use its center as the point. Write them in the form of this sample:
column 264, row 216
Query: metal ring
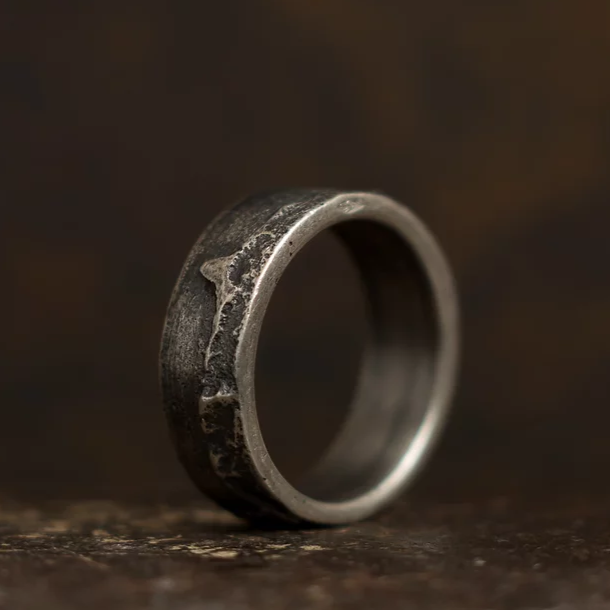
column 209, row 346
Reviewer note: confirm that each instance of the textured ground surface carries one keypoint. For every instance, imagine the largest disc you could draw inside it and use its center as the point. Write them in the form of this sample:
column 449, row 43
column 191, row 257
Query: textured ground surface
column 102, row 555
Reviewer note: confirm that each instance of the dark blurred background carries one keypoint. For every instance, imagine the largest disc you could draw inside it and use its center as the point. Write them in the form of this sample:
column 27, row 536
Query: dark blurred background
column 126, row 126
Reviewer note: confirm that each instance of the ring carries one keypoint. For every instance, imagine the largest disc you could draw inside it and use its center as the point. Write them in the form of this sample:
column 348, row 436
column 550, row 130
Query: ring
column 407, row 377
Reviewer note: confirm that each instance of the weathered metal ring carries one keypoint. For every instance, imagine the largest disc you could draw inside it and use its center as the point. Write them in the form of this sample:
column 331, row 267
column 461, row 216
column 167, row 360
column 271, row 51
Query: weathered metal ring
column 209, row 346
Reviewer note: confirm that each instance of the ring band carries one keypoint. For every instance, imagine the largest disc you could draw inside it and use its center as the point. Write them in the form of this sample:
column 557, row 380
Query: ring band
column 407, row 378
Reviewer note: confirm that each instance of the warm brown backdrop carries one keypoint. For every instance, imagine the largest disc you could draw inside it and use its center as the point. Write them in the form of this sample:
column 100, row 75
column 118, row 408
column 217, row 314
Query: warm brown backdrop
column 126, row 125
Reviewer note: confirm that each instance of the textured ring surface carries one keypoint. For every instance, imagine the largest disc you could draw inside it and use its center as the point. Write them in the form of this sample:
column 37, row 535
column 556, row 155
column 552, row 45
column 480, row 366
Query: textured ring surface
column 208, row 355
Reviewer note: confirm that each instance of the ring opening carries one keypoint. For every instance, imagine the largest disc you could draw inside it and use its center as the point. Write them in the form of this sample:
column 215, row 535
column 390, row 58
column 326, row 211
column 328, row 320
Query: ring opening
column 394, row 387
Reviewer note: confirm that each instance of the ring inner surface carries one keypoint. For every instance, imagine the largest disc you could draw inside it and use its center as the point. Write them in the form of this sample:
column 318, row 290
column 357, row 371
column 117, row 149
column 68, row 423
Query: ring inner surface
column 397, row 372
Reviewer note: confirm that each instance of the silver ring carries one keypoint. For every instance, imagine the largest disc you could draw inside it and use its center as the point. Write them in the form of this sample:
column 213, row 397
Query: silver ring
column 210, row 338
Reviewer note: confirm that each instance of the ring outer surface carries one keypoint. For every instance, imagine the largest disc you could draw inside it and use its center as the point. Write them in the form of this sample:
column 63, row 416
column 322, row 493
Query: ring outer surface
column 208, row 350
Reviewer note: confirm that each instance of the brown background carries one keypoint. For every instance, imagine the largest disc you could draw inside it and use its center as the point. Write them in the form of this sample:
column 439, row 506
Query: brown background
column 127, row 125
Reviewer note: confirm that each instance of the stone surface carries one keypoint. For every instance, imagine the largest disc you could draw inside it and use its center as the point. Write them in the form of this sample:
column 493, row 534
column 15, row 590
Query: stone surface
column 501, row 555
